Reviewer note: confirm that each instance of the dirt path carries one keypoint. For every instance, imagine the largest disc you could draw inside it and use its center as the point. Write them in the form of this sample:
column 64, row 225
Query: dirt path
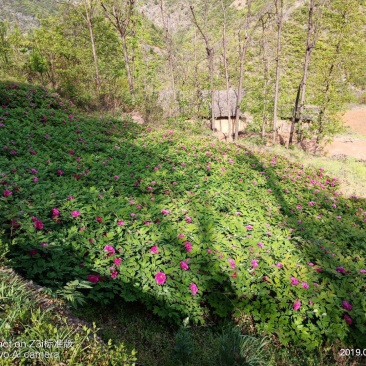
column 352, row 144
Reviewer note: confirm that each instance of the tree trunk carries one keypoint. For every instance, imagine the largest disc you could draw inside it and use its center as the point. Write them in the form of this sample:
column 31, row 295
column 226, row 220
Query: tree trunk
column 127, row 63
column 279, row 15
column 243, row 51
column 168, row 42
column 229, row 122
column 310, row 45
column 88, row 15
column 210, row 53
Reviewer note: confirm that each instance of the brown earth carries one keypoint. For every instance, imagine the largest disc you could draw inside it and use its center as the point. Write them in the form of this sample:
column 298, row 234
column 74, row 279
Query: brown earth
column 352, row 144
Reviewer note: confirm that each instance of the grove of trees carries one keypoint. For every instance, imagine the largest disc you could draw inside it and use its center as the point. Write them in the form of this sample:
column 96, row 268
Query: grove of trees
column 123, row 54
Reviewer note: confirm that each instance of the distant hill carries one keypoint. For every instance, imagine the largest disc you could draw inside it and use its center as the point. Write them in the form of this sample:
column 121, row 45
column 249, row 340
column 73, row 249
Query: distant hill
column 26, row 12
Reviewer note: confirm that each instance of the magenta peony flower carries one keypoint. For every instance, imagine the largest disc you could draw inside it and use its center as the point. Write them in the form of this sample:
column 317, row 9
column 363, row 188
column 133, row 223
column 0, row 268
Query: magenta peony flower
column 296, row 305
column 154, row 250
column 116, row 177
column 70, row 198
column 120, row 223
column 34, row 171
column 181, row 236
column 232, row 263
column 249, row 227
column 160, row 278
column 305, row 285
column 188, row 246
column 55, row 212
column 294, row 281
column 7, row 193
column 35, row 179
column 341, row 270
column 188, row 219
column 346, row 305
column 254, row 263
column 114, row 274
column 194, row 289
column 362, row 271
column 99, row 219
column 38, row 224
column 279, row 265
column 75, row 213
column 109, row 249
column 184, row 265
column 117, row 261
column 165, row 212
column 93, row 278
column 60, row 172
column 348, row 319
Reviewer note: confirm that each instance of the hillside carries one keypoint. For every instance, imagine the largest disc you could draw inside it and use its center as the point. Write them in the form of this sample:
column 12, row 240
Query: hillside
column 26, row 13
column 184, row 224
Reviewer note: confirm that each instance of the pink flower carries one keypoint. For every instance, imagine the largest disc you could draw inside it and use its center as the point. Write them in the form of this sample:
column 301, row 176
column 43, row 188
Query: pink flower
column 305, row 285
column 70, row 198
column 341, row 270
column 260, row 244
column 32, row 152
column 154, row 250
column 294, row 281
column 184, row 265
column 32, row 252
column 120, row 223
column 93, row 278
column 362, row 271
column 232, row 263
column 44, row 244
column 35, row 179
column 194, row 289
column 181, row 236
column 99, row 219
column 279, row 265
column 188, row 219
column 114, row 274
column 188, row 246
column 346, row 305
column 249, row 227
column 60, row 172
column 55, row 212
column 296, row 305
column 254, row 263
column 160, row 278
column 348, row 319
column 34, row 171
column 116, row 177
column 209, row 251
column 75, row 213
column 117, row 261
column 109, row 249
column 165, row 212
column 7, row 193
column 310, row 264
column 312, row 203
column 38, row 224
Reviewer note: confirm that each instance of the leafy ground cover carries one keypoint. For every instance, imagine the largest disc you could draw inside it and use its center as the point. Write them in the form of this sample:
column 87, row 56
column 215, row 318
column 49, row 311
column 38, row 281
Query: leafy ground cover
column 190, row 227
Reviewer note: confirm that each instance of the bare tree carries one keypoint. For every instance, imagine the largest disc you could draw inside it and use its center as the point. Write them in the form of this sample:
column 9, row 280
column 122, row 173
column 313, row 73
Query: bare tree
column 279, row 21
column 169, row 48
column 243, row 48
column 312, row 35
column 89, row 7
column 210, row 59
column 119, row 13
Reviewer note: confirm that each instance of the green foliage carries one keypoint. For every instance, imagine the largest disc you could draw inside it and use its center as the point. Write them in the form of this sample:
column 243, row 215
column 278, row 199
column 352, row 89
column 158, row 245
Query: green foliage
column 186, row 225
column 238, row 349
column 30, row 327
